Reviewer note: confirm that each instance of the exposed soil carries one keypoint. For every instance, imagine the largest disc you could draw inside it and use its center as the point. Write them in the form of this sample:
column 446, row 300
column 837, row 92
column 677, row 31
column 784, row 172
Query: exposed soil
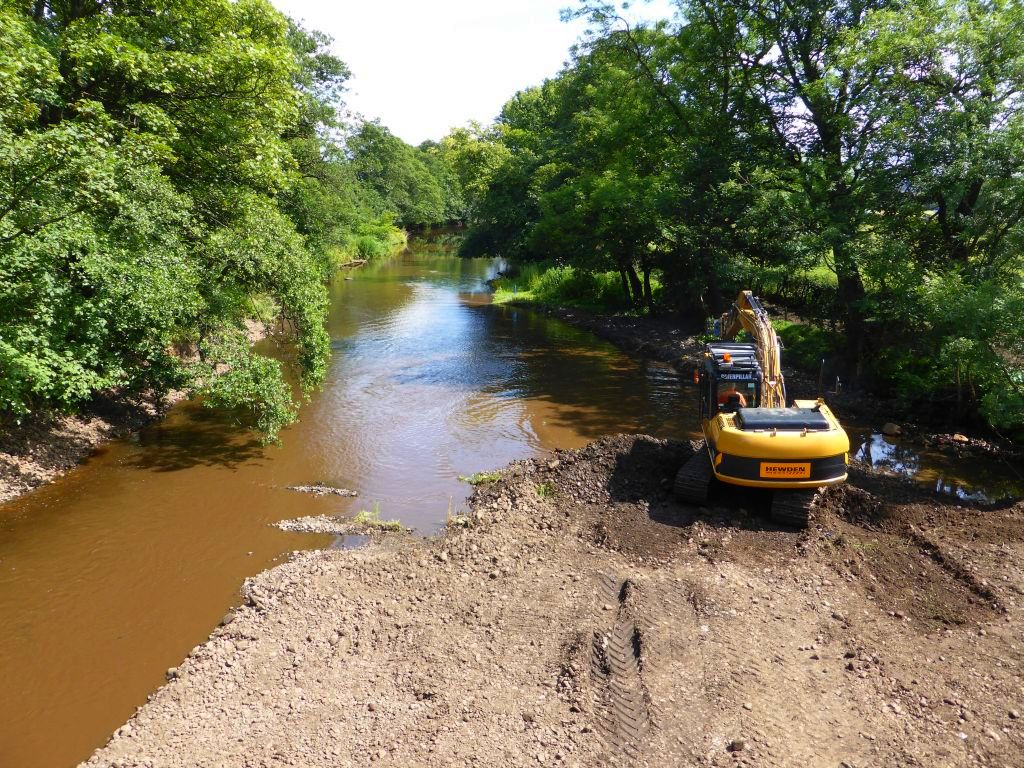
column 45, row 446
column 582, row 617
column 665, row 339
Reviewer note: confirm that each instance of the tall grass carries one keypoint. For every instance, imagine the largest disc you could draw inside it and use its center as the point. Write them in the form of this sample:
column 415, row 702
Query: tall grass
column 811, row 292
column 546, row 283
column 369, row 241
column 807, row 345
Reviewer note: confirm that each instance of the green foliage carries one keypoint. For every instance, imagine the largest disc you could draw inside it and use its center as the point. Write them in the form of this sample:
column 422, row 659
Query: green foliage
column 806, row 345
column 546, row 490
column 472, row 155
column 247, row 384
column 481, row 478
column 375, row 239
column 339, row 214
column 547, row 283
column 369, row 520
column 396, row 176
column 167, row 172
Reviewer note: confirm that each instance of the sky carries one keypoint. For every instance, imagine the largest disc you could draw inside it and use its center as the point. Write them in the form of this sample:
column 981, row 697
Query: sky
column 425, row 66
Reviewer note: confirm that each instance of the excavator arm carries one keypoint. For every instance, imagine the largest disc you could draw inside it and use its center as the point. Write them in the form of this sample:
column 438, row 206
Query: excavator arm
column 747, row 314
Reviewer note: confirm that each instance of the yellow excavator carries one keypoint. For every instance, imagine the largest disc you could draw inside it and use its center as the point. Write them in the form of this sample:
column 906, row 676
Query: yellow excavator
column 751, row 437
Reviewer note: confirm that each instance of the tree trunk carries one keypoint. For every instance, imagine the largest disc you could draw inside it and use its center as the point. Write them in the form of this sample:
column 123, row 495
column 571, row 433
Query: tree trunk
column 625, row 285
column 636, row 287
column 648, row 295
column 715, row 301
column 851, row 298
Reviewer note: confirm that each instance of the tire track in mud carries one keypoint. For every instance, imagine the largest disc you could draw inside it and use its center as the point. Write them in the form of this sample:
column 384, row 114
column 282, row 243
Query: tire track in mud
column 647, row 668
column 674, row 647
column 952, row 566
column 617, row 662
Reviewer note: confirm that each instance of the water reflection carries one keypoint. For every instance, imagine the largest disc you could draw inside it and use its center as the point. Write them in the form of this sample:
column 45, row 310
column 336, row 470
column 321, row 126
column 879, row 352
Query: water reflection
column 984, row 479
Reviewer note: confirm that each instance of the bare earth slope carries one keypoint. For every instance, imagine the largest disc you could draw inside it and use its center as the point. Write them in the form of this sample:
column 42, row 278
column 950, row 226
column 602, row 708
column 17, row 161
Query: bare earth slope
column 45, row 446
column 583, row 618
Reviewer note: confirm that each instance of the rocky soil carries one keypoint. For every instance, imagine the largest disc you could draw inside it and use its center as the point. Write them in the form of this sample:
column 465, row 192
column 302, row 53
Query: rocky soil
column 582, row 617
column 44, row 447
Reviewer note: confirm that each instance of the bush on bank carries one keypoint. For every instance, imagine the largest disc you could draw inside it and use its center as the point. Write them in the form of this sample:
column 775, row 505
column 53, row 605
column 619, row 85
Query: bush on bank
column 548, row 283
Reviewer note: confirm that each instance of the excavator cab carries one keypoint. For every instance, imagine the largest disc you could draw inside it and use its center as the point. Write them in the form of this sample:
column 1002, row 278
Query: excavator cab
column 729, row 379
column 752, row 438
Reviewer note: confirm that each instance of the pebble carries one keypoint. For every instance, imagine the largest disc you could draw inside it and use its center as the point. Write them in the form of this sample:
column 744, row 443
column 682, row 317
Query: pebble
column 748, row 706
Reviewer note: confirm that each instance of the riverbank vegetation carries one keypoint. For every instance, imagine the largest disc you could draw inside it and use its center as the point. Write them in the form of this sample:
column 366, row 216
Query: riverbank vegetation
column 859, row 163
column 565, row 285
column 169, row 171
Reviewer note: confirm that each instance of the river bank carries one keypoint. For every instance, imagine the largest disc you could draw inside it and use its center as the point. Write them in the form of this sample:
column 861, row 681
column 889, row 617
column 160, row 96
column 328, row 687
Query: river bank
column 583, row 618
column 114, row 573
column 45, row 445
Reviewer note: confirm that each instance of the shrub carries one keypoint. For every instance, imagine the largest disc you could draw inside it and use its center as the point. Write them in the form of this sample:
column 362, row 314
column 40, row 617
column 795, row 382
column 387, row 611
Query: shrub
column 807, row 345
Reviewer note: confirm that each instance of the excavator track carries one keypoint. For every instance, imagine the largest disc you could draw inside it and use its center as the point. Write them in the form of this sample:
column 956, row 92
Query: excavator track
column 694, row 479
column 793, row 508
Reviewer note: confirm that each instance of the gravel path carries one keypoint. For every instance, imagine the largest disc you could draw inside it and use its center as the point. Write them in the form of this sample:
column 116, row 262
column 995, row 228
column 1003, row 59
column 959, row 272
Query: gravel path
column 583, row 618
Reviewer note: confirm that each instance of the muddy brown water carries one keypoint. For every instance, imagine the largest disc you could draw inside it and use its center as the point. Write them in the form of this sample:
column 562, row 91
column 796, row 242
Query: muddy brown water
column 111, row 574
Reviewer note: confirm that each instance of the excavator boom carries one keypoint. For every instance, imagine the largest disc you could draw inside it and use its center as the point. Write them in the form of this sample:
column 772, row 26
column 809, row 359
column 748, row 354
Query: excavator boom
column 747, row 314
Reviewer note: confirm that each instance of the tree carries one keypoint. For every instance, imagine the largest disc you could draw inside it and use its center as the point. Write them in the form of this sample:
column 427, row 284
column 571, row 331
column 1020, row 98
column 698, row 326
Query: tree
column 877, row 139
column 142, row 152
column 397, row 176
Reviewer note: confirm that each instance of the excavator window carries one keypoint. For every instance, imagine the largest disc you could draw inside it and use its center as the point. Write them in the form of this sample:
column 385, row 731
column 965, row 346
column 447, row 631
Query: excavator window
column 736, row 394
